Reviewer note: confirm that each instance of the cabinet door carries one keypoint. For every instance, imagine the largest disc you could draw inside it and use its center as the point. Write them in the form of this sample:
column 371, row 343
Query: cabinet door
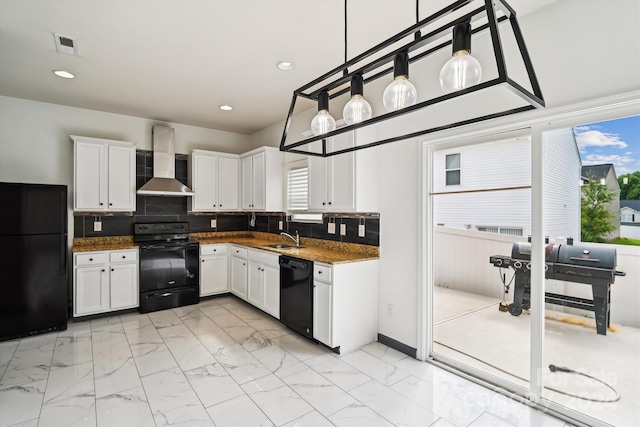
column 259, row 183
column 317, row 183
column 90, row 192
column 123, row 286
column 255, row 294
column 228, row 188
column 91, row 290
column 204, row 183
column 322, row 313
column 122, row 178
column 272, row 291
column 213, row 275
column 341, row 176
column 239, row 277
column 247, row 182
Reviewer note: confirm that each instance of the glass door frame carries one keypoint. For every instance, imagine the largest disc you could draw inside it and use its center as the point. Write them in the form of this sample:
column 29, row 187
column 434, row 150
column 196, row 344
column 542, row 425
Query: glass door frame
column 537, row 123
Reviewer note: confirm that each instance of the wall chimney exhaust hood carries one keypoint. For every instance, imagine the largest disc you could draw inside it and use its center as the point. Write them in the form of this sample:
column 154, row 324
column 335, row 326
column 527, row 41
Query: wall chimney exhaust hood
column 164, row 182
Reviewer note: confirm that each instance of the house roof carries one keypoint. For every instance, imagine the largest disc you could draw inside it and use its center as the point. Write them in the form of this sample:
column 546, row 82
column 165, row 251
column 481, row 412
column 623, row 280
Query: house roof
column 631, row 204
column 597, row 171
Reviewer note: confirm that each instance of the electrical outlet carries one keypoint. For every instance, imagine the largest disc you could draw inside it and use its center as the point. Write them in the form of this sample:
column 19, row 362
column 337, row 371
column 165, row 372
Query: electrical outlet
column 343, row 229
column 361, row 230
column 97, row 226
column 332, row 228
column 214, row 223
column 280, row 226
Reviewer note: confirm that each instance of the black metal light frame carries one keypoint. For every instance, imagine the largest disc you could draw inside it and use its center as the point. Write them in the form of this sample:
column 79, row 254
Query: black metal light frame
column 341, row 75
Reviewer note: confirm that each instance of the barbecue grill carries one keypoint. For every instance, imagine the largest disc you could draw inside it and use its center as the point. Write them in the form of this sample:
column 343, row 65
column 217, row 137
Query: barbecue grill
column 571, row 263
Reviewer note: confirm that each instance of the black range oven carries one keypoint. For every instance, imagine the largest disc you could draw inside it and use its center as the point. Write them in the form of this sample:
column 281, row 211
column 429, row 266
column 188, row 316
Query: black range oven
column 169, row 268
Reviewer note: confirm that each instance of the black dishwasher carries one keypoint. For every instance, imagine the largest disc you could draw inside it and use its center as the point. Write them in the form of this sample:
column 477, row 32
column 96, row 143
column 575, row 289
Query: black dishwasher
column 296, row 295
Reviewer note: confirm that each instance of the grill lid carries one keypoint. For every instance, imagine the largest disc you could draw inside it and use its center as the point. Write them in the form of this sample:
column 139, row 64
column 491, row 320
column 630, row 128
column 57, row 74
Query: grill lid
column 575, row 255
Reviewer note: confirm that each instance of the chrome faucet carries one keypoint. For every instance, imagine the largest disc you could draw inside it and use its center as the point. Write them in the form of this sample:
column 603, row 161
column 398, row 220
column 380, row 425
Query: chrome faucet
column 295, row 239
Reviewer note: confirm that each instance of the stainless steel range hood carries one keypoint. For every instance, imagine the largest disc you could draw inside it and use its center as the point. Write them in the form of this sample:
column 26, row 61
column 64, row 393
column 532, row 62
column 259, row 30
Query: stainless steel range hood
column 164, row 182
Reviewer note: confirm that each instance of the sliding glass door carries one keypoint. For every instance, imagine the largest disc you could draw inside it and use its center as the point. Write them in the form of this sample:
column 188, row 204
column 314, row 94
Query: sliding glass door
column 516, row 295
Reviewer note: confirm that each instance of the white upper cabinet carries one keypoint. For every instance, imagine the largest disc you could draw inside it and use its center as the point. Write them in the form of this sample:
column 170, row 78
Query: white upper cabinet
column 104, row 175
column 345, row 182
column 214, row 178
column 262, row 180
column 331, row 179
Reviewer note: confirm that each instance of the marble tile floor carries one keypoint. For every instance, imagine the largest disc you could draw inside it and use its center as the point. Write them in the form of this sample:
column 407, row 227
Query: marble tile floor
column 224, row 363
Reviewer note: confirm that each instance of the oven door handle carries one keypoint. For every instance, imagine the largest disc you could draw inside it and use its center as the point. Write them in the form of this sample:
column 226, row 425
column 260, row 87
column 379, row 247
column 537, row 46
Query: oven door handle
column 168, row 294
column 165, row 247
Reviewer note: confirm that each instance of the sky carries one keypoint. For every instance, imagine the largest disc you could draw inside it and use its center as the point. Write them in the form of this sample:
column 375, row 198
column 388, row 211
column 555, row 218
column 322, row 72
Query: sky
column 615, row 141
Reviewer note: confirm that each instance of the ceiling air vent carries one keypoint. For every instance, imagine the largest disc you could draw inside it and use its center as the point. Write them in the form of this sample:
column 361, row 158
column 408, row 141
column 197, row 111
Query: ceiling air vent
column 66, row 44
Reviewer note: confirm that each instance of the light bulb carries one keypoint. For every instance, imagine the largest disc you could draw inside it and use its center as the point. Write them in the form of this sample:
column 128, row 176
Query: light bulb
column 460, row 72
column 322, row 123
column 399, row 94
column 356, row 110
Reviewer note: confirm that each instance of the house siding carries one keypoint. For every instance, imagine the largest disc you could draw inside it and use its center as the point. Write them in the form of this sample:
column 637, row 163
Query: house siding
column 490, row 176
column 561, row 184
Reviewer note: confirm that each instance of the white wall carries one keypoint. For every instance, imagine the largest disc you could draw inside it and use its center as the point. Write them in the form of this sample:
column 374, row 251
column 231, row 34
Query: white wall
column 35, row 145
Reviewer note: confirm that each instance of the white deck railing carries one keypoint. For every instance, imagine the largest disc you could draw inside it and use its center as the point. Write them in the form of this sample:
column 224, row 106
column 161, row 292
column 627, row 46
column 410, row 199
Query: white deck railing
column 462, row 262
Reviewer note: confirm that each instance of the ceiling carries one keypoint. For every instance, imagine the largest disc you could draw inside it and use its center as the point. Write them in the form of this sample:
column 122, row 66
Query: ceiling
column 178, row 60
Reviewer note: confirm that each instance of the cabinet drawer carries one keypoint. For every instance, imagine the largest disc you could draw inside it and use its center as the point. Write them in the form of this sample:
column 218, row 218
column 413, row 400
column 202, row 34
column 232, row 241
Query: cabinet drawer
column 213, row 249
column 239, row 251
column 322, row 272
column 264, row 257
column 123, row 256
column 90, row 258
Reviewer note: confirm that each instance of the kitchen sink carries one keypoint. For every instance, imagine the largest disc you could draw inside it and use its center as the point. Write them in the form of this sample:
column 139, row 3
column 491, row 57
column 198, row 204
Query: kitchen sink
column 282, row 246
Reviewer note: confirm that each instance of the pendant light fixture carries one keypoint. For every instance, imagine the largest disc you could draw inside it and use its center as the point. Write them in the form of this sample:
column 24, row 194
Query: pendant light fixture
column 357, row 109
column 469, row 96
column 323, row 122
column 462, row 70
column 400, row 93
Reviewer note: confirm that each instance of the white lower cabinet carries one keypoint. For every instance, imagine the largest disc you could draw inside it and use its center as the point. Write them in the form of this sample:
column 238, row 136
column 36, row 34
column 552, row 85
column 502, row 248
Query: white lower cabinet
column 239, row 271
column 345, row 304
column 91, row 290
column 264, row 281
column 322, row 306
column 123, row 286
column 213, row 269
column 104, row 281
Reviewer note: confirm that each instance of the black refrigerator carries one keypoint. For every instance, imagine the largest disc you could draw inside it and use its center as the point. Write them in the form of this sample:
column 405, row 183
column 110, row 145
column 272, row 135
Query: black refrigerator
column 33, row 259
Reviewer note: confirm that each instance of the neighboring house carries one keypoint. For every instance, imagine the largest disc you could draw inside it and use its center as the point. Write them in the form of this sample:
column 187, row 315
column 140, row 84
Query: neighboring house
column 630, row 219
column 487, row 187
column 606, row 175
column 629, row 211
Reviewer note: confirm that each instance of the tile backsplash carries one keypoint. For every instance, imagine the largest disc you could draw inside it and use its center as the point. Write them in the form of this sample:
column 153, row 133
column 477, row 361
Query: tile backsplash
column 169, row 209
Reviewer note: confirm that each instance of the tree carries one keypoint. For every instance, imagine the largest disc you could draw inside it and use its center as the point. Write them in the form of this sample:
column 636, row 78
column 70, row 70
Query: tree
column 595, row 218
column 630, row 190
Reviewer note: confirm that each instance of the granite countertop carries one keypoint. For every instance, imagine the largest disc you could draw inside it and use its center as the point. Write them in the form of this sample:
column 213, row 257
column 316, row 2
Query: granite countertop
column 324, row 251
column 111, row 243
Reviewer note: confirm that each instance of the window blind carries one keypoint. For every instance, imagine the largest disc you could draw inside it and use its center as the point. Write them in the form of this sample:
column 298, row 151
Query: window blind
column 298, row 188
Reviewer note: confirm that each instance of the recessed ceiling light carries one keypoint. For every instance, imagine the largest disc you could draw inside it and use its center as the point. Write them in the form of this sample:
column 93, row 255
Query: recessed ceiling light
column 285, row 65
column 225, row 107
column 64, row 74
